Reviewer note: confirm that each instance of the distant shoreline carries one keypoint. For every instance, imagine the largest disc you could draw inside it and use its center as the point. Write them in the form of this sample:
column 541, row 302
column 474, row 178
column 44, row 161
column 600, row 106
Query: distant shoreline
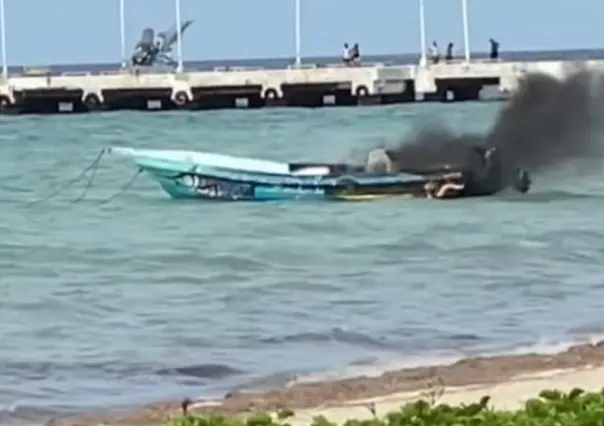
column 317, row 397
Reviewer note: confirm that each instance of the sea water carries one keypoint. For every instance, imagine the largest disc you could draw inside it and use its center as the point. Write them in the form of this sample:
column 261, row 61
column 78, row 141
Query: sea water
column 105, row 304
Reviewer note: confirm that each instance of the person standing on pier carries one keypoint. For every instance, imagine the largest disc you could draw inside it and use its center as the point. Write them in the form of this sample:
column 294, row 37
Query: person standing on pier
column 355, row 54
column 449, row 54
column 494, row 49
column 434, row 53
column 346, row 54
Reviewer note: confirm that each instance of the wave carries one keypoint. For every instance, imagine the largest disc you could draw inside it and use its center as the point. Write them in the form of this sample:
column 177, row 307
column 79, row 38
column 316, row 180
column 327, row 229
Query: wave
column 24, row 414
column 39, row 370
column 336, row 334
column 267, row 382
column 355, row 338
column 24, row 370
column 377, row 367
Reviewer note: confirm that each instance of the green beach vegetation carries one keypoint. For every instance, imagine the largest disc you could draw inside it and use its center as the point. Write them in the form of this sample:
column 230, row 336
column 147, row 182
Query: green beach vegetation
column 549, row 408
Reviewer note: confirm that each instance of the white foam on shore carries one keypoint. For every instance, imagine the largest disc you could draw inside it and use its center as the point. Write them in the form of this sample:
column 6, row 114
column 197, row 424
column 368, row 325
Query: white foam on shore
column 542, row 347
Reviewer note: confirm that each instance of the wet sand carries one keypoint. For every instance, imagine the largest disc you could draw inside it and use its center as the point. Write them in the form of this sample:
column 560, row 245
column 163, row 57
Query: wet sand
column 306, row 399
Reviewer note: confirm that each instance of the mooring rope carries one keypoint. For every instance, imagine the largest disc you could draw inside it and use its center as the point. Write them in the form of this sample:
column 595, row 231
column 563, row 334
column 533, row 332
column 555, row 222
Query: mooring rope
column 93, row 166
column 124, row 188
column 88, row 184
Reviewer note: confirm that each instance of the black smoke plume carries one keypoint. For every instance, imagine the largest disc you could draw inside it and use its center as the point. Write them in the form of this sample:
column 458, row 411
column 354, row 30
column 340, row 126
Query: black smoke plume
column 547, row 123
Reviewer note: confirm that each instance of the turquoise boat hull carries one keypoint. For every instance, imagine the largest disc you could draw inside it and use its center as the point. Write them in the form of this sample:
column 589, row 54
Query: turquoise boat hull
column 206, row 176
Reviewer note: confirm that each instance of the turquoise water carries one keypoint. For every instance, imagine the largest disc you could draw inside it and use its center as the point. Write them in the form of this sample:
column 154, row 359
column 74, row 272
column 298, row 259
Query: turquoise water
column 102, row 303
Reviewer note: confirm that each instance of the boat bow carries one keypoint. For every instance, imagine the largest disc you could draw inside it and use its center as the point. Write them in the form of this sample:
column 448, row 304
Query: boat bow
column 180, row 159
column 122, row 151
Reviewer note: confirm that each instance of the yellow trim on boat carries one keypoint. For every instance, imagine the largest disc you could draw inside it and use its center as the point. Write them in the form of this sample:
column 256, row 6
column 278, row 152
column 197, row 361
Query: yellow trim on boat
column 367, row 197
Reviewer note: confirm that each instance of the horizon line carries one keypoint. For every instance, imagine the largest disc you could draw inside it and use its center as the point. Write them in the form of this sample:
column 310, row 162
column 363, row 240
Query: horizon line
column 118, row 60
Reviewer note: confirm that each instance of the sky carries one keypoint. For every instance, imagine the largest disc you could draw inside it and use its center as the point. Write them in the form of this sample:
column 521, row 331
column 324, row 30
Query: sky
column 43, row 32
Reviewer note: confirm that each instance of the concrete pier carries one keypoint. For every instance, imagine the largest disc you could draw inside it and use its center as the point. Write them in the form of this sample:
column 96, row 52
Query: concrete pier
column 39, row 91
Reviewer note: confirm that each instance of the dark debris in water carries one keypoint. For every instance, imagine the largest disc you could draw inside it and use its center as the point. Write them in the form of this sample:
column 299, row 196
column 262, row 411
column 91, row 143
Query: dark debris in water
column 203, row 371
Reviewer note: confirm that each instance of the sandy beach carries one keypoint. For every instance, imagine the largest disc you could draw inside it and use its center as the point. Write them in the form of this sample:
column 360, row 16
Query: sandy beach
column 505, row 395
column 509, row 379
